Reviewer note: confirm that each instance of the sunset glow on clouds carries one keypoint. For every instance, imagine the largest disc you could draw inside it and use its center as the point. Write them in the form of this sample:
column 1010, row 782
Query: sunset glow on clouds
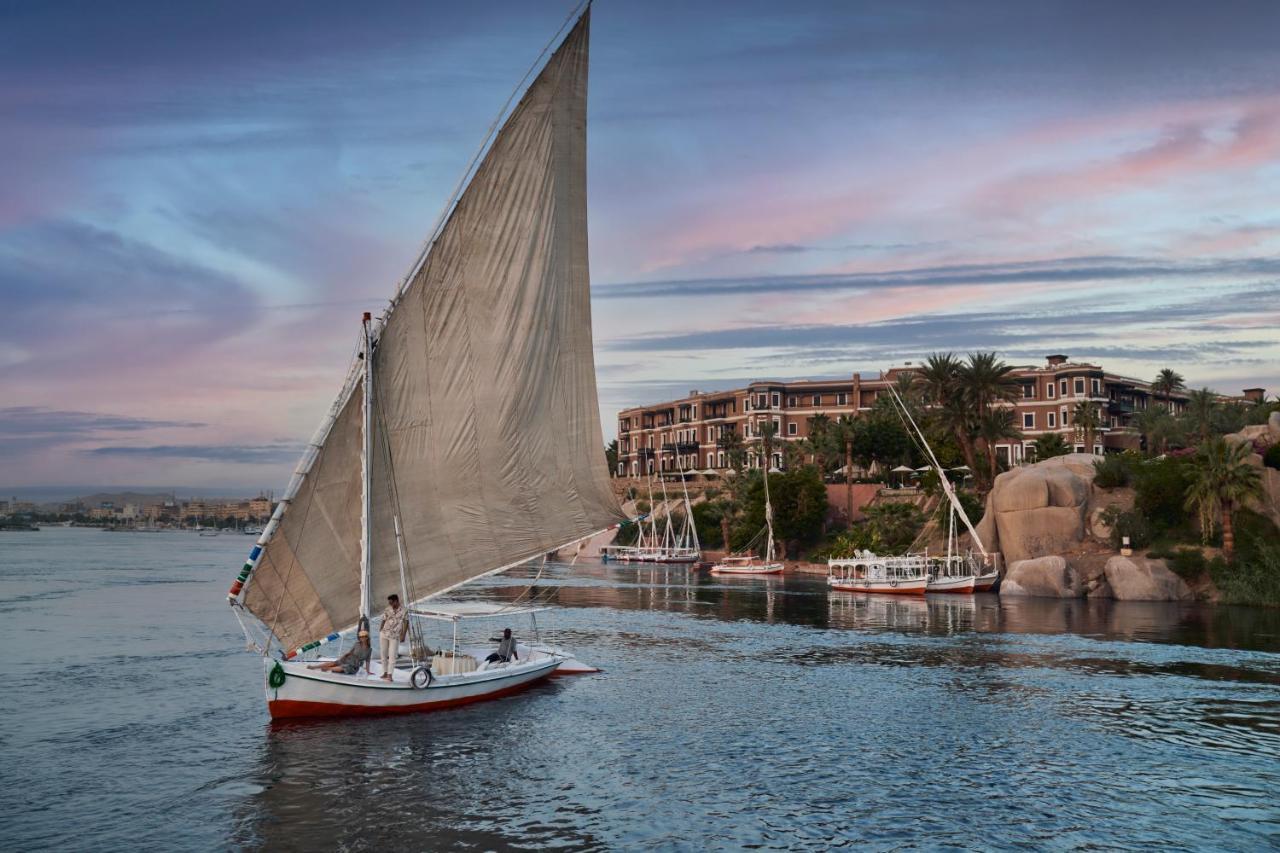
column 199, row 202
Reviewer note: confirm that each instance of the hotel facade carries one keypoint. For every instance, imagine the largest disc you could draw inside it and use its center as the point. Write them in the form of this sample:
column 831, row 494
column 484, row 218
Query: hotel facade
column 685, row 434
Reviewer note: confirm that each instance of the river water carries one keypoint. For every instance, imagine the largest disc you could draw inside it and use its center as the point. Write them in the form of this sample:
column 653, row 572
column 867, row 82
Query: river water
column 730, row 713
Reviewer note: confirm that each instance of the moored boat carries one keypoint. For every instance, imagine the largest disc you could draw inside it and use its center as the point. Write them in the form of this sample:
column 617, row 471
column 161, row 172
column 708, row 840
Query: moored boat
column 745, row 564
column 987, row 581
column 750, row 564
column 867, row 572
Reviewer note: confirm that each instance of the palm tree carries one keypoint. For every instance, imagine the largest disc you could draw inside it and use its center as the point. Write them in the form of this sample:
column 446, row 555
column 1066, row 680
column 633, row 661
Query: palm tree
column 997, row 425
column 768, row 432
column 955, row 417
column 731, row 443
column 1157, row 428
column 819, row 426
column 909, row 389
column 1049, row 445
column 984, row 382
column 1166, row 382
column 1201, row 407
column 1086, row 422
column 843, row 431
column 939, row 382
column 1223, row 480
column 936, row 378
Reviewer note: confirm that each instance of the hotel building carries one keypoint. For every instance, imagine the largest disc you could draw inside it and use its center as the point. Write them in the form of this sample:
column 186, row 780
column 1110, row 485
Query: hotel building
column 684, row 434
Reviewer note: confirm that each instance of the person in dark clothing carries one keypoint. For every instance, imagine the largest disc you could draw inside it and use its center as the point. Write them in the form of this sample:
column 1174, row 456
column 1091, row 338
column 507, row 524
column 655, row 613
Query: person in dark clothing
column 506, row 648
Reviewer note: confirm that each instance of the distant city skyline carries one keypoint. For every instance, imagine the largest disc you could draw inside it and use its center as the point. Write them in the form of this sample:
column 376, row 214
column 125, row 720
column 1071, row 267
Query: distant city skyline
column 200, row 201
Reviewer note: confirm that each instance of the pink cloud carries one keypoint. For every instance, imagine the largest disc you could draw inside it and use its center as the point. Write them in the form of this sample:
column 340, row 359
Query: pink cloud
column 998, row 187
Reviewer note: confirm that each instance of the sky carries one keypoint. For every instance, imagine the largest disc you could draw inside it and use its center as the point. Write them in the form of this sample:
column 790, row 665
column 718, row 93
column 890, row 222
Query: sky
column 200, row 199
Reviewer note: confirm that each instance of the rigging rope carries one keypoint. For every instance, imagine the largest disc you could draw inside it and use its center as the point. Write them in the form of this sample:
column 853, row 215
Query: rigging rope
column 417, row 643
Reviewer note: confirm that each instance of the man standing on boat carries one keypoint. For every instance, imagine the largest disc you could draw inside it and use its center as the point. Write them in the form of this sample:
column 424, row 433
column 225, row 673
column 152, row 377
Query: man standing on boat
column 395, row 625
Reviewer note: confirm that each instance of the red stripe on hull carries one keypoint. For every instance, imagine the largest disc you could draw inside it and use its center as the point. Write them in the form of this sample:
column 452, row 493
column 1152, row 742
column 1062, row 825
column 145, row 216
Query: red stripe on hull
column 294, row 709
column 888, row 591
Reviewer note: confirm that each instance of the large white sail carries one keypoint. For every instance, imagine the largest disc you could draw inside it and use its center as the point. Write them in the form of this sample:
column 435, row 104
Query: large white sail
column 487, row 442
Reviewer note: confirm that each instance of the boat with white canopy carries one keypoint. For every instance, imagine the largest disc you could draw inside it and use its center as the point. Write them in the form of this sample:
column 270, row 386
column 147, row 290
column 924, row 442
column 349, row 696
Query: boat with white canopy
column 955, row 572
column 868, row 572
column 465, row 441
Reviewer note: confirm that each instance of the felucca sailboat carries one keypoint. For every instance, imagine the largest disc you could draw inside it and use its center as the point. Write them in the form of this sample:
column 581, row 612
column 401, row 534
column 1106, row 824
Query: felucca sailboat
column 466, row 439
column 749, row 563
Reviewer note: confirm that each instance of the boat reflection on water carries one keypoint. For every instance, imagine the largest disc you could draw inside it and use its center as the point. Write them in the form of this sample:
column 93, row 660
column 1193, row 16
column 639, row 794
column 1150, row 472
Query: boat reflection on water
column 406, row 782
column 932, row 614
column 806, row 600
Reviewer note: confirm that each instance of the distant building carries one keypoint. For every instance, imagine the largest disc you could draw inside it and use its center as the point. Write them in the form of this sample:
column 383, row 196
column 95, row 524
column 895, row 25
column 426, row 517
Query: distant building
column 685, row 433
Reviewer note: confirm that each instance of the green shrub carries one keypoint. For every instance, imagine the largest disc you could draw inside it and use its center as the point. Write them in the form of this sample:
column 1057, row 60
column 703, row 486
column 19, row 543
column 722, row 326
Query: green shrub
column 712, row 493
column 889, row 529
column 1187, row 563
column 706, row 518
column 1111, row 472
column 1132, row 523
column 1272, row 457
column 974, row 507
column 1160, row 488
column 1252, row 531
column 1255, row 580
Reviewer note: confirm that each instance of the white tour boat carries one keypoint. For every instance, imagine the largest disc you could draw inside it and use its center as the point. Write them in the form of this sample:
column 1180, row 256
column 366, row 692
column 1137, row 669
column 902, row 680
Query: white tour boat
column 867, row 572
column 465, row 441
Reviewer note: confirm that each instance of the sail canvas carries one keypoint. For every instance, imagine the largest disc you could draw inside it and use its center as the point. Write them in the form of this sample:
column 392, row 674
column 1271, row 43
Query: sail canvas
column 487, row 439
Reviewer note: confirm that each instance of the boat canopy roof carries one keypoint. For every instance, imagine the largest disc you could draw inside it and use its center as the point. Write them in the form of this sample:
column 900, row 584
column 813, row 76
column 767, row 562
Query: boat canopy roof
column 458, row 611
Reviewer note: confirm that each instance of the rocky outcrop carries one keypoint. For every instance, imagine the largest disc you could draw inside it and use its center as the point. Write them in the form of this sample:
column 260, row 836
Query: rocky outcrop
column 1039, row 509
column 1140, row 579
column 1268, row 433
column 1042, row 577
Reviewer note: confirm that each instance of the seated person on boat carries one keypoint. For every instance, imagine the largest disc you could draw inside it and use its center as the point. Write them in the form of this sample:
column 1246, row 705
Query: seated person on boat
column 506, row 648
column 350, row 663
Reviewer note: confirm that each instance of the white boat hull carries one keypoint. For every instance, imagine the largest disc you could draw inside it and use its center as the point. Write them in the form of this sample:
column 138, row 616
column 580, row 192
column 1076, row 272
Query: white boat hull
column 308, row 693
column 961, row 584
column 747, row 569
column 891, row 586
column 987, row 582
